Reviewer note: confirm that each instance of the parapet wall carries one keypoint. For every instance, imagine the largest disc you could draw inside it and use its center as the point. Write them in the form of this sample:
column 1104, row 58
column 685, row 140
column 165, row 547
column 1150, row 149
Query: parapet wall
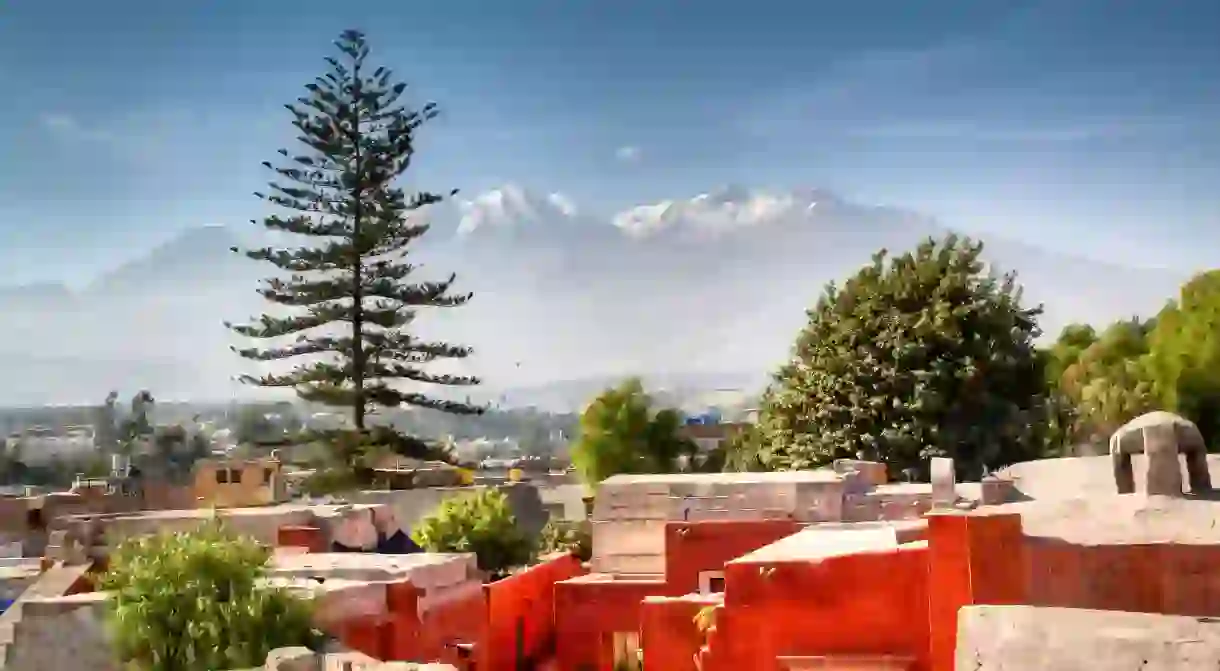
column 302, row 659
column 991, row 638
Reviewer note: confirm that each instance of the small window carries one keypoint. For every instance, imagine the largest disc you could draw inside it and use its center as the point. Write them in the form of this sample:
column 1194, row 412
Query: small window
column 267, row 473
column 711, row 582
column 228, row 476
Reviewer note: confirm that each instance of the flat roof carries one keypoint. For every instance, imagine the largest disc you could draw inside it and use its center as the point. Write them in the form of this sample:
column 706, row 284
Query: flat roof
column 784, row 477
column 829, row 540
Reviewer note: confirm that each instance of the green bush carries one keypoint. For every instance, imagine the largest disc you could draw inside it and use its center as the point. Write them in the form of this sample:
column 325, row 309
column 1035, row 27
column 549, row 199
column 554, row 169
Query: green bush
column 193, row 602
column 574, row 536
column 482, row 523
column 927, row 354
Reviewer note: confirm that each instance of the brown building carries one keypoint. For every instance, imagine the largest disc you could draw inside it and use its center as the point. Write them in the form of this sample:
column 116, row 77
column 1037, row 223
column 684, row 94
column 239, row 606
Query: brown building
column 232, row 483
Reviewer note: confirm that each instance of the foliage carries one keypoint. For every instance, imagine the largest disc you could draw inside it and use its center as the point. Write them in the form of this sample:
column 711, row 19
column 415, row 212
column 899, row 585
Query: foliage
column 349, row 302
column 480, row 522
column 573, row 536
column 740, row 451
column 621, row 432
column 1184, row 354
column 1101, row 379
column 920, row 355
column 193, row 602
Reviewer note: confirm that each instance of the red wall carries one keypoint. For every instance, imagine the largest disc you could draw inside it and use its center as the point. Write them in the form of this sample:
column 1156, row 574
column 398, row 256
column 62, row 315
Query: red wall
column 527, row 597
column 668, row 633
column 590, row 611
column 692, row 548
column 865, row 603
column 1155, row 578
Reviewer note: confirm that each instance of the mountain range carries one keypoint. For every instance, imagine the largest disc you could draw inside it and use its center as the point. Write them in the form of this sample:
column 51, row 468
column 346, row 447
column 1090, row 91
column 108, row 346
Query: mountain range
column 702, row 292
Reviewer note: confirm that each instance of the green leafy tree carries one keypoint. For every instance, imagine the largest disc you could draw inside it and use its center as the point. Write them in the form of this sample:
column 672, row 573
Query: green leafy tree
column 1103, row 378
column 621, row 432
column 920, row 355
column 348, row 299
column 194, row 602
column 1184, row 354
column 482, row 523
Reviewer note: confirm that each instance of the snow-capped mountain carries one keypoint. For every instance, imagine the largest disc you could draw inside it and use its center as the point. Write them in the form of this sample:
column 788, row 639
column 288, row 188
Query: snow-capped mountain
column 709, row 282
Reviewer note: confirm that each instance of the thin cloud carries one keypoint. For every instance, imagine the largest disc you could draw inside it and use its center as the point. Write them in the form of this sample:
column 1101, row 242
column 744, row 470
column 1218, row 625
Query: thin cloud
column 67, row 126
column 628, row 153
column 1084, row 130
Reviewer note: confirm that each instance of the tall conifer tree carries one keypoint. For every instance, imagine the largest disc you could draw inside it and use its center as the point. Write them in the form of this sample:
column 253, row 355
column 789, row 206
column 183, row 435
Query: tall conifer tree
column 348, row 296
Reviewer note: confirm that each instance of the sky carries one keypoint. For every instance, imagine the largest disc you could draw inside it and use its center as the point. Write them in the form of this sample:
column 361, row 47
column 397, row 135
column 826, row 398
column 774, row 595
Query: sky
column 1088, row 126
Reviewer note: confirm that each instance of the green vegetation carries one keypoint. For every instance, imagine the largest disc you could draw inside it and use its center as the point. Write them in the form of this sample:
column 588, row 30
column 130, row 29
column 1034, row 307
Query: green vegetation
column 573, row 536
column 621, row 432
column 1171, row 362
column 193, row 602
column 916, row 356
column 481, row 522
column 349, row 302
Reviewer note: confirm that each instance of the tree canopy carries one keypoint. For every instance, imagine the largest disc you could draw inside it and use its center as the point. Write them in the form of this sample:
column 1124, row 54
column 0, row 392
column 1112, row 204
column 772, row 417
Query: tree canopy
column 348, row 297
column 193, row 602
column 481, row 522
column 621, row 432
column 919, row 355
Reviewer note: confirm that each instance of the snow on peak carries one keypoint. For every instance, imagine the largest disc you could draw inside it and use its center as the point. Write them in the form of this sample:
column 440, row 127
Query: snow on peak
column 510, row 205
column 722, row 210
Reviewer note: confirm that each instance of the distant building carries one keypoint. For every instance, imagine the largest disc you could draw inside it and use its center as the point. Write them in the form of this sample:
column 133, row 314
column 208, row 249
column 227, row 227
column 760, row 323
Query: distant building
column 41, row 445
column 710, row 436
column 234, row 483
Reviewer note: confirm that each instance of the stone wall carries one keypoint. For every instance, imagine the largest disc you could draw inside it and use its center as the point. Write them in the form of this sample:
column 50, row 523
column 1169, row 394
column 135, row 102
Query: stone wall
column 66, row 632
column 992, row 638
column 301, row 659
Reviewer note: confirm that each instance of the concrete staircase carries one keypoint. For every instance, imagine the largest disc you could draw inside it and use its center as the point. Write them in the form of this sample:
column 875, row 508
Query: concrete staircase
column 55, row 581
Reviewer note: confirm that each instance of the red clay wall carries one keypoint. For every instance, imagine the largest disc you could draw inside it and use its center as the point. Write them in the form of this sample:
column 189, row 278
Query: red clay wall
column 527, row 598
column 974, row 559
column 588, row 612
column 692, row 548
column 1168, row 579
column 866, row 603
column 668, row 633
column 591, row 611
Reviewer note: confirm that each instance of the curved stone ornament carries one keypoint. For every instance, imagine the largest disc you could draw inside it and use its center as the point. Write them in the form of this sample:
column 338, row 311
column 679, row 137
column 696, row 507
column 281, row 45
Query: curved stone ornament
column 1161, row 437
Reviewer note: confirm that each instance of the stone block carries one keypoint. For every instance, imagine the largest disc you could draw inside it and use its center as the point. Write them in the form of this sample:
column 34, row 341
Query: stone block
column 992, row 638
column 944, row 483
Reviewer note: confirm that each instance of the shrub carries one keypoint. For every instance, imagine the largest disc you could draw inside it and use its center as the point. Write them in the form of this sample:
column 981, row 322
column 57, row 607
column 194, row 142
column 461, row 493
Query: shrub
column 482, row 523
column 573, row 536
column 193, row 602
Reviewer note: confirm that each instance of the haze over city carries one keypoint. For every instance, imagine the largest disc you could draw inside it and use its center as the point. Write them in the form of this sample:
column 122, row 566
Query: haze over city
column 644, row 188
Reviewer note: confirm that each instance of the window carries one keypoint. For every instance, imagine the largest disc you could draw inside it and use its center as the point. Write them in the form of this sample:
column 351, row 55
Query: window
column 228, row 476
column 267, row 473
column 711, row 582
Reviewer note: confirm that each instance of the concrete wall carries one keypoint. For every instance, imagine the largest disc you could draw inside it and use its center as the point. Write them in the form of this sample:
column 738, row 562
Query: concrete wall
column 61, row 633
column 301, row 659
column 631, row 511
column 1075, row 477
column 993, row 638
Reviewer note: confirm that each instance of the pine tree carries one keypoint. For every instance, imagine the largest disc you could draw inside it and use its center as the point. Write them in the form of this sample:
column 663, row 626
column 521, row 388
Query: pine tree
column 348, row 296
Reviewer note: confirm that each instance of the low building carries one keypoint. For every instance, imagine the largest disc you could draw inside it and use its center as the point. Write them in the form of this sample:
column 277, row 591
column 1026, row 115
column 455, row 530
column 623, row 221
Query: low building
column 229, row 483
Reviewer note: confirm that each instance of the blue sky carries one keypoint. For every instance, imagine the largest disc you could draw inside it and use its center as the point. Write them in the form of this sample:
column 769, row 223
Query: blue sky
column 1086, row 125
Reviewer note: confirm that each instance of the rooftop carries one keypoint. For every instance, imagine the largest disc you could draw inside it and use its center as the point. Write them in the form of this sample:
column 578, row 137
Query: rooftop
column 1119, row 519
column 785, row 477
